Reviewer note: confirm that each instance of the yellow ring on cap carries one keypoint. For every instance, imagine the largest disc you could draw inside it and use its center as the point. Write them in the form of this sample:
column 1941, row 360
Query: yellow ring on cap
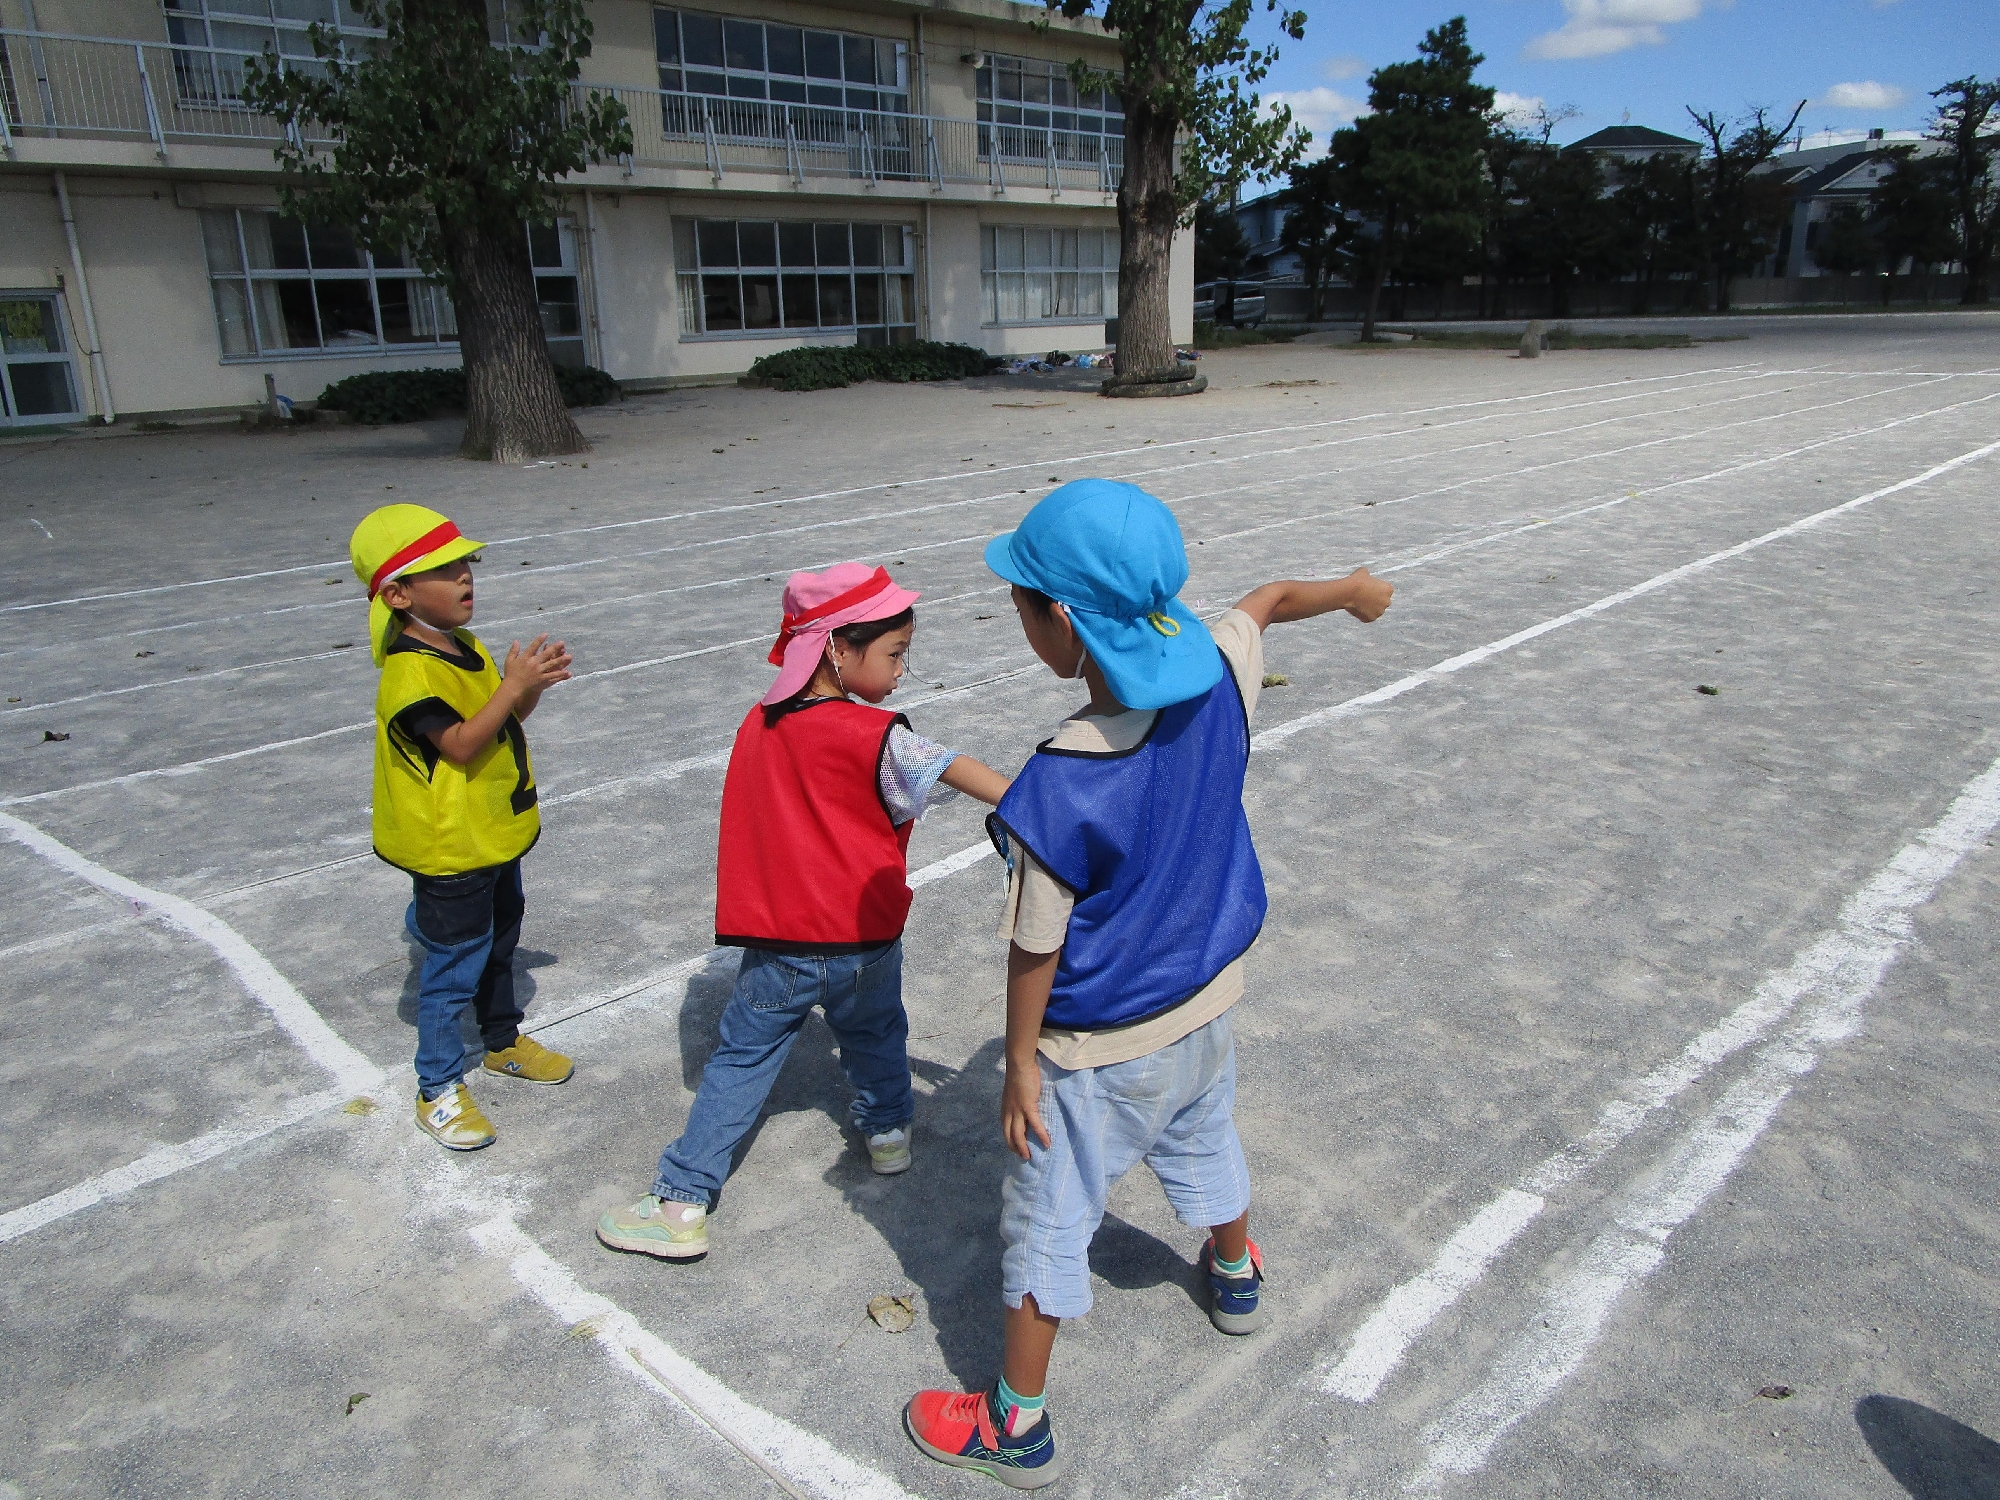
column 1165, row 624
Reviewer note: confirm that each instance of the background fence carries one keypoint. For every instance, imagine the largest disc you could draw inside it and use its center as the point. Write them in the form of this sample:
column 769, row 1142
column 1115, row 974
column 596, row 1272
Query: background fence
column 1609, row 298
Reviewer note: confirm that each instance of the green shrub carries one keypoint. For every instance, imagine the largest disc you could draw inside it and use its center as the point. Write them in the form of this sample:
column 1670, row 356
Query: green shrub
column 824, row 369
column 382, row 396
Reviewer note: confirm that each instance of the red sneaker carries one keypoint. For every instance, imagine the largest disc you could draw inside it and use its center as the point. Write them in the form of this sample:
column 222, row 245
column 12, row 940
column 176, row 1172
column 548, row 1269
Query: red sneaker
column 969, row 1432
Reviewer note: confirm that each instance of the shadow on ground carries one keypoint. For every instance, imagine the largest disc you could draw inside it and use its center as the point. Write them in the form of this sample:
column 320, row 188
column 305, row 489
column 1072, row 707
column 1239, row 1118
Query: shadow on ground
column 1927, row 1453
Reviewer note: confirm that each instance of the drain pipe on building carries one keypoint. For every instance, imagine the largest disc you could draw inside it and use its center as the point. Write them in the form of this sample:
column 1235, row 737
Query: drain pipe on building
column 98, row 377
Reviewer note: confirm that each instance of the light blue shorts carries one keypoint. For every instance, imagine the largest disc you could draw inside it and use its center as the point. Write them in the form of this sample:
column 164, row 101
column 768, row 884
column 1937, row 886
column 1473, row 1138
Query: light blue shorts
column 1172, row 1109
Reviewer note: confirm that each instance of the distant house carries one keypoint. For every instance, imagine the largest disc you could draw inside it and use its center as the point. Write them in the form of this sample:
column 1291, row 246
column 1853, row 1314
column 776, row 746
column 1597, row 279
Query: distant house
column 1623, row 143
column 1263, row 221
column 1817, row 182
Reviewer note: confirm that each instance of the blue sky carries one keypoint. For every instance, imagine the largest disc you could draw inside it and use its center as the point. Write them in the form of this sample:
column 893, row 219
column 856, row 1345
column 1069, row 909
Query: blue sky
column 1862, row 63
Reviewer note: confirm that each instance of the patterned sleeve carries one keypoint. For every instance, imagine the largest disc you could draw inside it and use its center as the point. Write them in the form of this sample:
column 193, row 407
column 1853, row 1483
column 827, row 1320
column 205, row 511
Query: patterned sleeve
column 911, row 766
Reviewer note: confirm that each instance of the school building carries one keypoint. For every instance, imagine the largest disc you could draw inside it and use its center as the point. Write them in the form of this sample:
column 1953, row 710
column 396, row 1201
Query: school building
column 871, row 171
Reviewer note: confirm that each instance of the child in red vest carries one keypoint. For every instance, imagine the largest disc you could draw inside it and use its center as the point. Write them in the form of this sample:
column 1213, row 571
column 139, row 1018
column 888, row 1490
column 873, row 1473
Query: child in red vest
column 817, row 807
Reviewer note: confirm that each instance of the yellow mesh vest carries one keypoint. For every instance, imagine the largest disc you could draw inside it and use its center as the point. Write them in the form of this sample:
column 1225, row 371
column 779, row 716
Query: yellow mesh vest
column 432, row 817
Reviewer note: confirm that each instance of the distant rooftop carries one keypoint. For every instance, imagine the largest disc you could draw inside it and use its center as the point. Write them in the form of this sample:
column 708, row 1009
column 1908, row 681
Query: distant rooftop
column 1630, row 138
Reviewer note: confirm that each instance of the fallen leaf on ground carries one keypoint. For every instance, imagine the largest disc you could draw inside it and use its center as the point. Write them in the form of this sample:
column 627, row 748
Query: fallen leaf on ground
column 589, row 1328
column 893, row 1314
column 50, row 734
column 361, row 1106
column 355, row 1400
column 1276, row 679
column 1706, row 690
column 1775, row 1392
column 137, row 654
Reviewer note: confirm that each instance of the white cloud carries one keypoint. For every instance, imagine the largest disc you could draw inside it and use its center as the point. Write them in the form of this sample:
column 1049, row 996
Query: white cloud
column 1347, row 65
column 1597, row 28
column 1321, row 110
column 1864, row 95
column 1517, row 110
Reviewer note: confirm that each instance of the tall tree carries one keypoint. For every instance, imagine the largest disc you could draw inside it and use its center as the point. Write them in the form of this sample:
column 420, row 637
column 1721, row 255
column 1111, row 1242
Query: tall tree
column 1737, row 214
column 1961, row 124
column 1914, row 206
column 1849, row 243
column 1412, row 166
column 1221, row 251
column 1558, row 221
column 1186, row 68
column 1653, row 209
column 448, row 139
column 1316, row 229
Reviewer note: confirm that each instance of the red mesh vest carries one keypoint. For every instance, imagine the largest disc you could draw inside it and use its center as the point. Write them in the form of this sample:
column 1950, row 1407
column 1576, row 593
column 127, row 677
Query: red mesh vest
column 809, row 860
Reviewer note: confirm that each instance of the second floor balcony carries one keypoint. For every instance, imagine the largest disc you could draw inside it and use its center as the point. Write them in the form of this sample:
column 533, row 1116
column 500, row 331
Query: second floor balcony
column 159, row 96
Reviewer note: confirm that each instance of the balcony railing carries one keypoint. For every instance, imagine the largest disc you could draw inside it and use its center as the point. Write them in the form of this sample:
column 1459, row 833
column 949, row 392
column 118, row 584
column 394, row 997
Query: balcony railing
column 54, row 86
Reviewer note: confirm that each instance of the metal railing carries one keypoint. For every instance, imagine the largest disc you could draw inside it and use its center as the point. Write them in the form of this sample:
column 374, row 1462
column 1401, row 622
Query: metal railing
column 89, row 88
column 86, row 88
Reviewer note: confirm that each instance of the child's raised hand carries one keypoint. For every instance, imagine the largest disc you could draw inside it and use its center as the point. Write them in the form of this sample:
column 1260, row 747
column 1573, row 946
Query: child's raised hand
column 542, row 664
column 1371, row 596
column 1021, row 1109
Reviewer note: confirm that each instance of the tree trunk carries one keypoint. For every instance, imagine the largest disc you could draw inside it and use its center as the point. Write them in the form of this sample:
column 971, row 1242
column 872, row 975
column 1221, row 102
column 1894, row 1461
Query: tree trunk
column 1147, row 218
column 1376, row 276
column 513, row 407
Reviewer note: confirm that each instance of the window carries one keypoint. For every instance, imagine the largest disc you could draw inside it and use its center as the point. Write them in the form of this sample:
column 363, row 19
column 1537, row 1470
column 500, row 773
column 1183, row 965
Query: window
column 237, row 27
column 740, row 276
column 724, row 57
column 283, row 287
column 1024, row 99
column 1048, row 275
column 37, row 376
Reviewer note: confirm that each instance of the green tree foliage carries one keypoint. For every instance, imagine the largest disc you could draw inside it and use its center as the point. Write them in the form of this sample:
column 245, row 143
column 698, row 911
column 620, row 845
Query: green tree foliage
column 1221, row 251
column 1317, row 229
column 1848, row 242
column 1413, row 167
column 1914, row 209
column 1654, row 221
column 1554, row 220
column 1186, row 67
column 448, row 137
column 1964, row 114
column 1737, row 213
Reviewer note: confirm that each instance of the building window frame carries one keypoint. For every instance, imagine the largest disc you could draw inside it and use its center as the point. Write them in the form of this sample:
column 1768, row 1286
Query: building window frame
column 1027, row 107
column 1035, row 275
column 37, row 353
column 795, row 278
column 751, row 62
column 272, row 278
column 211, row 39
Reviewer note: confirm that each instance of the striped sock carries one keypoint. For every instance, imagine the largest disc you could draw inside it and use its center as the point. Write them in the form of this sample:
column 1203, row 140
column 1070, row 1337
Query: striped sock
column 1021, row 1412
column 1232, row 1268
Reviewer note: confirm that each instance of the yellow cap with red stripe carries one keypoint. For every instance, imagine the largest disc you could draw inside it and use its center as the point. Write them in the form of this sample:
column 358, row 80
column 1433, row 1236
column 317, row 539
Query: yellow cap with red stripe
column 392, row 541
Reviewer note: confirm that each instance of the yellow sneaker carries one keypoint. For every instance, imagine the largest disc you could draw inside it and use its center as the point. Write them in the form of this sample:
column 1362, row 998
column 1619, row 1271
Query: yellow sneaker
column 529, row 1059
column 454, row 1121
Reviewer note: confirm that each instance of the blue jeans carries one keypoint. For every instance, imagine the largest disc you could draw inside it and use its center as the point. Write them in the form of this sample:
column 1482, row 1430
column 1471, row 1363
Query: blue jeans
column 467, row 926
column 862, row 994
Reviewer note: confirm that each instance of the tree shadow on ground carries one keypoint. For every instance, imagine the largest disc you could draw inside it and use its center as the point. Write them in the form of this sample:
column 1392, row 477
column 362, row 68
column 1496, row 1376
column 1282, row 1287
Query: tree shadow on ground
column 1927, row 1453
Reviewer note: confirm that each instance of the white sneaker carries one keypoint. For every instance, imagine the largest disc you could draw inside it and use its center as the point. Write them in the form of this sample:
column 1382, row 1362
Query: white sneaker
column 889, row 1152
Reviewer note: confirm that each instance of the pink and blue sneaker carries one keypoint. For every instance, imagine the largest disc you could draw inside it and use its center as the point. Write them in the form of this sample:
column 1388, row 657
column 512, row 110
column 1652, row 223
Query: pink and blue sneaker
column 1233, row 1300
column 970, row 1431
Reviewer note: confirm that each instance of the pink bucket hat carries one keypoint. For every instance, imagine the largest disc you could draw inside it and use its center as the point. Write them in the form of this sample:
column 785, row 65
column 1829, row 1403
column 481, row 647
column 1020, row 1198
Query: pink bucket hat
column 816, row 605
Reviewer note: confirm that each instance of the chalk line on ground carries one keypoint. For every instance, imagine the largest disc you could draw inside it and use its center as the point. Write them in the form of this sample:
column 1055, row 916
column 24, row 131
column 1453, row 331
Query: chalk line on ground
column 803, row 1458
column 1829, row 982
column 353, row 1072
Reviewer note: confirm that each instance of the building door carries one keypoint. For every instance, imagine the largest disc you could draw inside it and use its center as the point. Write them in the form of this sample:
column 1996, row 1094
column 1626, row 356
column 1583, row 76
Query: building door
column 38, row 384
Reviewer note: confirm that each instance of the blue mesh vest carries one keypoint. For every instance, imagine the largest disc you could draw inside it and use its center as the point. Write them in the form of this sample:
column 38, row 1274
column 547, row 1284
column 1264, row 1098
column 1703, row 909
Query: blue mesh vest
column 1154, row 844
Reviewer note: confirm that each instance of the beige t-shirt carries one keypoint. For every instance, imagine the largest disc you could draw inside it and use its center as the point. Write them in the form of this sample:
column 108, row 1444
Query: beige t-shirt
column 1036, row 916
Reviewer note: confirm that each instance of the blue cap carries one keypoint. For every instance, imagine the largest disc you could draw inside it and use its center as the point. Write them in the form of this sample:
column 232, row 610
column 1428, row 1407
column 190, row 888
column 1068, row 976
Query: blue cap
column 1113, row 555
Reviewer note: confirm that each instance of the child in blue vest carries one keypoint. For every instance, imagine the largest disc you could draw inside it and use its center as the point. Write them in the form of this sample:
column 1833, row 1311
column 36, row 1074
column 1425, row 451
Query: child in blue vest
column 822, row 791
column 1134, row 893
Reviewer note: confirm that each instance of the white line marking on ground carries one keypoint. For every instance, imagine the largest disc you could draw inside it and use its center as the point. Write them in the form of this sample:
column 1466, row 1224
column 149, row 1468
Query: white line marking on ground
column 285, row 1005
column 683, row 971
column 803, row 1458
column 1281, row 732
column 186, row 767
column 162, row 1161
column 185, row 680
column 344, row 565
column 1833, row 979
column 951, row 864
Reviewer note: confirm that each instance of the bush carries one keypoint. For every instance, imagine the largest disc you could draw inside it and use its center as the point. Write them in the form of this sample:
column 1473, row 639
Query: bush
column 382, row 396
column 823, row 369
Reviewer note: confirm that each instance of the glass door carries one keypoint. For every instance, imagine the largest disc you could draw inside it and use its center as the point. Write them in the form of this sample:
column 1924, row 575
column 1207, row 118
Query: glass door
column 38, row 383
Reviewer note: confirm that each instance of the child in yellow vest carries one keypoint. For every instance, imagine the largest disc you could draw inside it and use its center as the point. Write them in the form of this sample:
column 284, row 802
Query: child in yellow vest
column 454, row 802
